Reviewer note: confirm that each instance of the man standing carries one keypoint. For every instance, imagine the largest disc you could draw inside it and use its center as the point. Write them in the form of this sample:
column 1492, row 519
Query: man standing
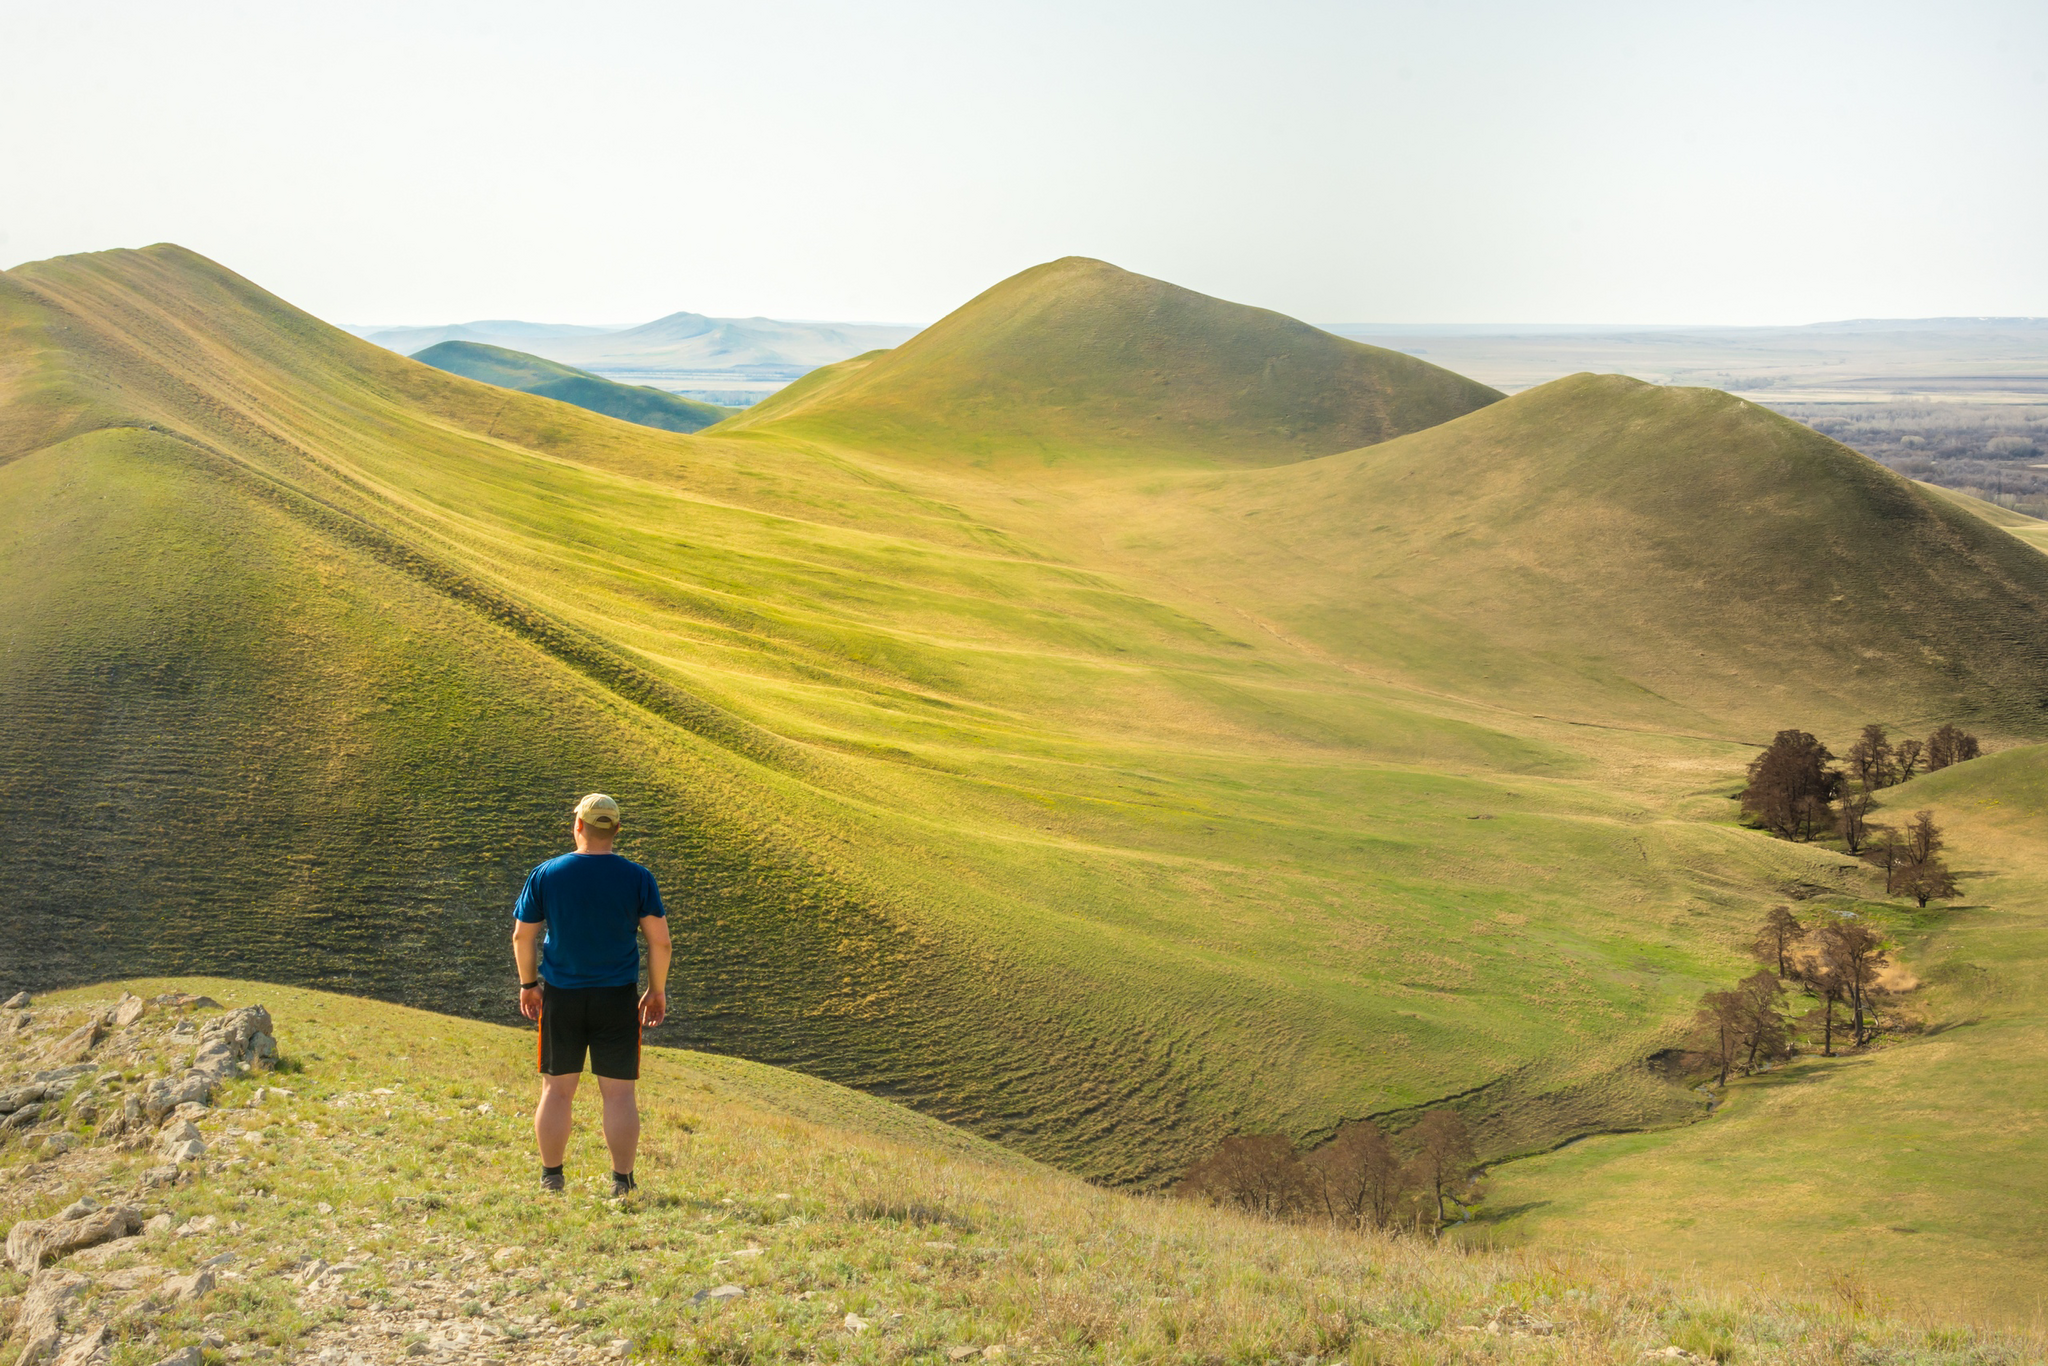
column 582, row 984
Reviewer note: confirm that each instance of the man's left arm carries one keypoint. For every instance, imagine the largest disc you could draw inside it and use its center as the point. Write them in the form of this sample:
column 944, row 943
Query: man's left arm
column 654, row 1005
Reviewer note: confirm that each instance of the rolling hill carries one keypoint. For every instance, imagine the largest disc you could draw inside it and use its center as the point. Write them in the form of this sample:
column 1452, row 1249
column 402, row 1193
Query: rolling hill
column 1105, row 798
column 1077, row 359
column 633, row 403
column 1621, row 551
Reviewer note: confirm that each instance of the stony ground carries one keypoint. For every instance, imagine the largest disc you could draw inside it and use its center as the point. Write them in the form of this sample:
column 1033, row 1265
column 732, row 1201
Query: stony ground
column 356, row 1186
column 178, row 1282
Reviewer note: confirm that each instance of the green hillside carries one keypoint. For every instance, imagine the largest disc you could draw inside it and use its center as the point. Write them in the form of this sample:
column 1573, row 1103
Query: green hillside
column 1103, row 809
column 374, row 1206
column 634, row 403
column 1618, row 551
column 1914, row 1168
column 1076, row 360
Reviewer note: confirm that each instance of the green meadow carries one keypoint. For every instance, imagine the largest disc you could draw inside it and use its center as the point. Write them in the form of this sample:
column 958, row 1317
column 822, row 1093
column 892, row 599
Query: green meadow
column 1911, row 1171
column 1107, row 746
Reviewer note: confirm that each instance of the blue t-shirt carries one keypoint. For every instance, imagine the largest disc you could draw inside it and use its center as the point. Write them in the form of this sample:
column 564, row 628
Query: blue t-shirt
column 592, row 905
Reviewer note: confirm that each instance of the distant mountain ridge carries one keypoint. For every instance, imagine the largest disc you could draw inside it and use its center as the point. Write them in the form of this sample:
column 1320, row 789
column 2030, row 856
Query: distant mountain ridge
column 509, row 369
column 678, row 351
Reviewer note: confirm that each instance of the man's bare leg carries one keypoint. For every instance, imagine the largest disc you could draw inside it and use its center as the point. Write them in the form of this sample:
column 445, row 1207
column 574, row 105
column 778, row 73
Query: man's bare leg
column 621, row 1122
column 552, row 1117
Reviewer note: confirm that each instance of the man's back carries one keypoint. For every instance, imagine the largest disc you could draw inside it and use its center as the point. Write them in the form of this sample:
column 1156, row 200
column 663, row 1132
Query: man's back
column 592, row 905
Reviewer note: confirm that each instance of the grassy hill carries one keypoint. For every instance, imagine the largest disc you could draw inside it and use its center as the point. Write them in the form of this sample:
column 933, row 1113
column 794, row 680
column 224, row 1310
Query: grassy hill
column 1076, row 360
column 1105, row 808
column 379, row 1203
column 635, row 403
column 1912, row 1169
column 1620, row 551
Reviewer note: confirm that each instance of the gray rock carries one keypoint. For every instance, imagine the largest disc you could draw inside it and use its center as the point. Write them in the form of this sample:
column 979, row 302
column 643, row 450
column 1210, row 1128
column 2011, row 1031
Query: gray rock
column 106, row 1252
column 67, row 1077
column 129, row 1010
column 20, row 1000
column 186, row 1289
column 162, row 1223
column 719, row 1292
column 20, row 1022
column 92, row 1348
column 191, row 1356
column 22, row 1118
column 160, row 1176
column 166, row 1094
column 59, row 1143
column 189, row 1151
column 77, row 1043
column 41, row 1321
column 33, row 1241
column 15, row 1097
column 79, row 1208
column 179, row 1131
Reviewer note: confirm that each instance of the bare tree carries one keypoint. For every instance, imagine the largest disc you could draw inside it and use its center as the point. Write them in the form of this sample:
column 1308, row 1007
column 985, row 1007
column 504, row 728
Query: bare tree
column 1922, row 838
column 1855, row 951
column 1781, row 930
column 1790, row 785
column 1818, row 974
column 1852, row 820
column 1719, row 1021
column 1764, row 1034
column 1950, row 744
column 1444, row 1157
column 1359, row 1177
column 1887, row 851
column 1260, row 1174
column 1928, row 881
column 1870, row 759
column 1908, row 756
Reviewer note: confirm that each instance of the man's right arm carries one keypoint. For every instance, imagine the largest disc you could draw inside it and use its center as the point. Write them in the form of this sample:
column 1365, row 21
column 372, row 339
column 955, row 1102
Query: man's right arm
column 526, row 954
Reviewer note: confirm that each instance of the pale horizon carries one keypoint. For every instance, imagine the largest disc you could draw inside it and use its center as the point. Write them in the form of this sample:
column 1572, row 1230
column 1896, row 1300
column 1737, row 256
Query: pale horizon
column 1589, row 165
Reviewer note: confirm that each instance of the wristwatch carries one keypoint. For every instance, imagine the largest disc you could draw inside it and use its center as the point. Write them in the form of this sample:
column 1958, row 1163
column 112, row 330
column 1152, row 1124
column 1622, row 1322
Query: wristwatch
column 529, row 986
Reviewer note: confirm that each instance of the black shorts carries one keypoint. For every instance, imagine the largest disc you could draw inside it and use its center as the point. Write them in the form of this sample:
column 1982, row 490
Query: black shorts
column 605, row 1021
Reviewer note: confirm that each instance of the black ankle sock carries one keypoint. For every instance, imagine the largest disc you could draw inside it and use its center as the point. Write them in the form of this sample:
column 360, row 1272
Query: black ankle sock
column 624, row 1179
column 550, row 1171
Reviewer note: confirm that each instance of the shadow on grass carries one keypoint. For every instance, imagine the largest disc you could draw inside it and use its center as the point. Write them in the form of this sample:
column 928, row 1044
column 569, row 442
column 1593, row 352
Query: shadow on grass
column 1489, row 1216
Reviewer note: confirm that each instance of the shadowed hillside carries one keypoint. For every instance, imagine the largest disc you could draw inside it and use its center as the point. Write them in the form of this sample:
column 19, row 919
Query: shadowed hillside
column 1077, row 359
column 965, row 791
column 1619, row 550
column 635, row 403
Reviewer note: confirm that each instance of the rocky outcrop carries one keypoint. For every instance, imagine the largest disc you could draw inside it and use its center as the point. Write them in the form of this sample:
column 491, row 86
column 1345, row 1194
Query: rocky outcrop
column 79, row 1042
column 33, row 1241
column 41, row 1322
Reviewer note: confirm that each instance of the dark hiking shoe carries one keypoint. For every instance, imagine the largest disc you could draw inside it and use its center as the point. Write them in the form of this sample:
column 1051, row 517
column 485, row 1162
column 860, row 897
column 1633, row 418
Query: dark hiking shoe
column 623, row 1185
column 552, row 1180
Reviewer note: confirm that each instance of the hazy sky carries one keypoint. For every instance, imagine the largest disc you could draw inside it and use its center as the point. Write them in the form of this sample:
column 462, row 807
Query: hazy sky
column 1637, row 162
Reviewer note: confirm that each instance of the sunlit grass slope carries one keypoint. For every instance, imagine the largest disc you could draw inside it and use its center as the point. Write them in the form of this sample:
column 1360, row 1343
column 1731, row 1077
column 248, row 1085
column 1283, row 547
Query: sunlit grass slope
column 2032, row 530
column 509, row 369
column 1918, row 1169
column 397, row 1157
column 1076, row 360
column 966, row 792
column 1619, row 552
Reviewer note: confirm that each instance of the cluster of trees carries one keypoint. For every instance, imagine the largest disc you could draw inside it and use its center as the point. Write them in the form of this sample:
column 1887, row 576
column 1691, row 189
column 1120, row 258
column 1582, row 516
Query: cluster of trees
column 1795, row 790
column 1838, row 960
column 1357, row 1180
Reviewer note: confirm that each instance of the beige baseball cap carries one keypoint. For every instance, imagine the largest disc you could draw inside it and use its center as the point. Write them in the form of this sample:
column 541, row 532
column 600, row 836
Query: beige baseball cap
column 598, row 811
